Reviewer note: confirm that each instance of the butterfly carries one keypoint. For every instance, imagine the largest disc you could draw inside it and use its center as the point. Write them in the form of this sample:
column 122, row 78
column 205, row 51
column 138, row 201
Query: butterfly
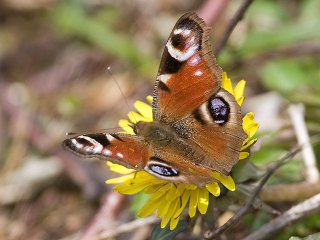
column 197, row 125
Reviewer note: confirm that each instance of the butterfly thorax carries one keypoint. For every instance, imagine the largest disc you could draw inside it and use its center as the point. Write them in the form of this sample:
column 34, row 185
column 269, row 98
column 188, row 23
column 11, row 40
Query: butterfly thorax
column 163, row 137
column 155, row 133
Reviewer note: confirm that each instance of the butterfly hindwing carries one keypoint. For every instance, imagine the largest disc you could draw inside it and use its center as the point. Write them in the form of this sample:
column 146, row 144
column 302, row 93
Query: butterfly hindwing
column 218, row 131
column 127, row 150
column 188, row 74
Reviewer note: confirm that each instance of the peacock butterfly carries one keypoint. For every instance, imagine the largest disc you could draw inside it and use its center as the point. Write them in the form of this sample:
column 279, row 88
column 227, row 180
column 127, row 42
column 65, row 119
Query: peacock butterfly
column 197, row 125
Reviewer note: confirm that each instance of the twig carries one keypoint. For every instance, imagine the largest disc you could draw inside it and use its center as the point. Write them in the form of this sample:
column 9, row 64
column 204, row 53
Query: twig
column 128, row 227
column 232, row 24
column 292, row 192
column 299, row 211
column 210, row 235
column 296, row 113
column 210, row 11
column 106, row 216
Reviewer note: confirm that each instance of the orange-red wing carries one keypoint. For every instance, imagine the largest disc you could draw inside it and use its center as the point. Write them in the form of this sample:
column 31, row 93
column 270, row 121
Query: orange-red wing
column 188, row 73
column 127, row 150
column 220, row 142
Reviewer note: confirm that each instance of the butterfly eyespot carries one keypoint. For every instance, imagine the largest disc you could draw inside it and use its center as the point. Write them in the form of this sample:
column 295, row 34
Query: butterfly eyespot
column 219, row 110
column 178, row 41
column 163, row 170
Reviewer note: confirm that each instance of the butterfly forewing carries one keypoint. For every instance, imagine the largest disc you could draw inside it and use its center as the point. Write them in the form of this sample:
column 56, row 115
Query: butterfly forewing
column 188, row 74
column 127, row 150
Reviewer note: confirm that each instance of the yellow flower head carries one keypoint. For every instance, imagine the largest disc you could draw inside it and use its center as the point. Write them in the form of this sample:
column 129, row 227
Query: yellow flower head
column 169, row 199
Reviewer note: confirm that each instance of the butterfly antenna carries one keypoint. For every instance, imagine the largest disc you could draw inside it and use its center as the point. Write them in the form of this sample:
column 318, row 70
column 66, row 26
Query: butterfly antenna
column 116, row 82
column 93, row 132
column 71, row 133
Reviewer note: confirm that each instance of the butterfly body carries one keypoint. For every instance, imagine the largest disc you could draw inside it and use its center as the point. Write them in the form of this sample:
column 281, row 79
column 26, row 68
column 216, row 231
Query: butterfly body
column 197, row 125
column 169, row 142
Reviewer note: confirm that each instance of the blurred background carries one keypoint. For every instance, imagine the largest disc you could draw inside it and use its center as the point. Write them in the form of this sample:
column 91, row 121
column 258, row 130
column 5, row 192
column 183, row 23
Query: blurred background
column 53, row 79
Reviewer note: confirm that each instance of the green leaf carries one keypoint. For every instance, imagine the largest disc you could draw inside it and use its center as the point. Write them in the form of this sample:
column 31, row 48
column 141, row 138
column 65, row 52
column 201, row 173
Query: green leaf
column 284, row 76
column 310, row 9
column 267, row 154
column 166, row 234
column 288, row 173
column 267, row 11
column 296, row 79
column 258, row 41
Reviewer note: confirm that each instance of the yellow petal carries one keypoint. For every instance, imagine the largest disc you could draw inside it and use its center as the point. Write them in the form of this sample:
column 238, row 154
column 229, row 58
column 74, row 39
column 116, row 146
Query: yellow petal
column 135, row 185
column 149, row 99
column 163, row 208
column 173, row 208
column 119, row 168
column 161, row 192
column 153, row 188
column 185, row 199
column 170, row 212
column 172, row 193
column 190, row 186
column 149, row 208
column 148, row 179
column 193, row 202
column 180, row 189
column 174, row 223
column 214, row 189
column 164, row 222
column 226, row 83
column 238, row 91
column 249, row 125
column 124, row 124
column 247, row 144
column 227, row 181
column 128, row 188
column 119, row 180
column 135, row 117
column 243, row 155
column 240, row 100
column 144, row 109
column 203, row 201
